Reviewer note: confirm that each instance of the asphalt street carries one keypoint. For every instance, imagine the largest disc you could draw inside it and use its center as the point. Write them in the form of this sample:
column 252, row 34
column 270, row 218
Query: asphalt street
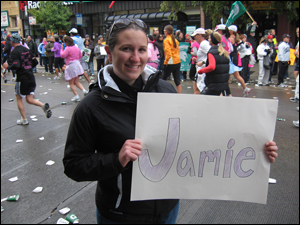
column 27, row 161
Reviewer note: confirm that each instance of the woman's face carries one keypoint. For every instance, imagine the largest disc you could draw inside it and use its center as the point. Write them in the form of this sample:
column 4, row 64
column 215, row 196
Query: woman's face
column 129, row 55
column 180, row 35
column 197, row 37
column 99, row 42
column 209, row 40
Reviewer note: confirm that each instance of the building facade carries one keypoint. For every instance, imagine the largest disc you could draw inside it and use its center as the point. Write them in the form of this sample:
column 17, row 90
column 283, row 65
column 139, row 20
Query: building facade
column 96, row 17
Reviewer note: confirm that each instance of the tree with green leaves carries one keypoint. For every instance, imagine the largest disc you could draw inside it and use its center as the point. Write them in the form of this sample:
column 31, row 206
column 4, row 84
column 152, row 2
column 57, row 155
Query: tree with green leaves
column 53, row 15
column 284, row 6
column 215, row 9
column 175, row 7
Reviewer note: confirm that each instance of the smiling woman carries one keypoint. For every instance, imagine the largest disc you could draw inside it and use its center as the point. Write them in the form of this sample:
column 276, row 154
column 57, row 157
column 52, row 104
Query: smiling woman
column 100, row 143
column 129, row 56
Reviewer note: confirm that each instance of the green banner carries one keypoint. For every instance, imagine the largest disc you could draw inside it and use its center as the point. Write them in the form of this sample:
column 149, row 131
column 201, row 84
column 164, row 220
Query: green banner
column 237, row 9
column 185, row 58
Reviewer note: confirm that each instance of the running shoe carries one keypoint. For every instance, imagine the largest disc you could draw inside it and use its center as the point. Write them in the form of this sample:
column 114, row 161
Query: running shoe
column 246, row 91
column 22, row 122
column 292, row 99
column 75, row 99
column 47, row 111
column 282, row 85
column 85, row 92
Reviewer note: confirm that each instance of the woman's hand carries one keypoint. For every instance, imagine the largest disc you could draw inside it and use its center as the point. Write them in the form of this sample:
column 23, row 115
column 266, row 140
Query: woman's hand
column 199, row 64
column 271, row 148
column 130, row 151
column 5, row 65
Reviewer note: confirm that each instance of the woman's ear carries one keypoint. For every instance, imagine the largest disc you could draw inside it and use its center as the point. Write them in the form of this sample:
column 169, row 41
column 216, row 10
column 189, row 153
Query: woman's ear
column 108, row 53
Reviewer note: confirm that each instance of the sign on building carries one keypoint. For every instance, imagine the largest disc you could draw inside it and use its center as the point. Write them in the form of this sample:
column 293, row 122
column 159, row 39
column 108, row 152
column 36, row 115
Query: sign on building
column 4, row 19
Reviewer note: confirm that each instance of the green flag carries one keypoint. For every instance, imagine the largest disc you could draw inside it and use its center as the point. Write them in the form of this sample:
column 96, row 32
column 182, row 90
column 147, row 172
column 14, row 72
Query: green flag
column 237, row 9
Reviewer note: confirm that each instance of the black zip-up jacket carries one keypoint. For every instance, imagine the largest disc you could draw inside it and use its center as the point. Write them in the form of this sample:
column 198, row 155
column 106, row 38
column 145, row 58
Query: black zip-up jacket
column 100, row 125
column 218, row 79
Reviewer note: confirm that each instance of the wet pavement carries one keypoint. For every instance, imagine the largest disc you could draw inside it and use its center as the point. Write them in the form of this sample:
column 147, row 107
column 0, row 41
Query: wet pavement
column 27, row 160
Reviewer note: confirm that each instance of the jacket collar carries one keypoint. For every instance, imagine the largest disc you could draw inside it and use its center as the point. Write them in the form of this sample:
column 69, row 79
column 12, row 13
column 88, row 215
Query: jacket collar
column 104, row 75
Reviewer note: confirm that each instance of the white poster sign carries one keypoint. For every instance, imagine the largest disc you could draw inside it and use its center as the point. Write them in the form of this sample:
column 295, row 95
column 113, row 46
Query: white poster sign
column 203, row 147
column 102, row 50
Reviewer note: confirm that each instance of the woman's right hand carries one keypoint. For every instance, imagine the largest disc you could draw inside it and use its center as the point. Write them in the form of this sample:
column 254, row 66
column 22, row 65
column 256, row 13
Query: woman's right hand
column 130, row 151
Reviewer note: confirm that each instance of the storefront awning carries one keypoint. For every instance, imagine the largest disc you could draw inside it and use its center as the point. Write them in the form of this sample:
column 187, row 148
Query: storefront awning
column 146, row 17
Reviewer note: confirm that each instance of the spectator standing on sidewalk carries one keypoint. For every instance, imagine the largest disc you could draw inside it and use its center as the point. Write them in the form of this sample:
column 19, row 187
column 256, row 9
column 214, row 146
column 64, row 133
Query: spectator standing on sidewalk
column 7, row 49
column 22, row 61
column 33, row 49
column 275, row 65
column 159, row 41
column 272, row 56
column 58, row 61
column 155, row 33
column 283, row 59
column 296, row 71
column 153, row 52
column 41, row 60
column 263, row 50
column 90, row 46
column 50, row 54
column 98, row 56
column 251, row 39
column 42, row 50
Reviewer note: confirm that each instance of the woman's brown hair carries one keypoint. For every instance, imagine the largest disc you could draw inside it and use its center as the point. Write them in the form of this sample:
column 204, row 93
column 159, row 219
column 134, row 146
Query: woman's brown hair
column 69, row 41
column 170, row 30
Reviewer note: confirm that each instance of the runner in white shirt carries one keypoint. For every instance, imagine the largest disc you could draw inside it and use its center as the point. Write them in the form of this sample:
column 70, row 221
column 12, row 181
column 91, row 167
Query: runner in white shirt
column 201, row 36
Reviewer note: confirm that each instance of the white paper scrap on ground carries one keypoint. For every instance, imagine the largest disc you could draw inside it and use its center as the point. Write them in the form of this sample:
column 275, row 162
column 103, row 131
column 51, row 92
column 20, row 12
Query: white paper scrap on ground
column 61, row 117
column 38, row 190
column 34, row 119
column 64, row 210
column 42, row 138
column 62, row 221
column 50, row 163
column 216, row 152
column 13, row 179
column 272, row 181
column 19, row 141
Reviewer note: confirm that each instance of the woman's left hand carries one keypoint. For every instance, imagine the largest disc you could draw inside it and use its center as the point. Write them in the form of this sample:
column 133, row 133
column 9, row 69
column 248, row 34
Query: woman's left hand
column 271, row 148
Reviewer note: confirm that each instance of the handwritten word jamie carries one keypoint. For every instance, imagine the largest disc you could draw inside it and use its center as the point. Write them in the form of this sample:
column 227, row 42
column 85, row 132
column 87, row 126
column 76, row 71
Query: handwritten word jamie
column 158, row 172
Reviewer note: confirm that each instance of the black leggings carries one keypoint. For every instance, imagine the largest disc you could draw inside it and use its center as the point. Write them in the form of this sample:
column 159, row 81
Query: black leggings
column 225, row 92
column 175, row 70
column 193, row 72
